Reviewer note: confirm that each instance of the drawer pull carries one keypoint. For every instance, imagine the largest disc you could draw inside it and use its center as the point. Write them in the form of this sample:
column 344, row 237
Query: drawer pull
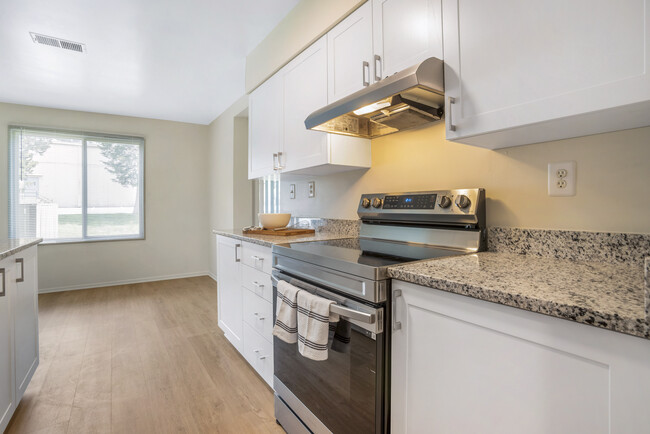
column 257, row 284
column 4, row 292
column 263, row 357
column 257, row 258
column 21, row 261
column 258, row 315
column 256, row 351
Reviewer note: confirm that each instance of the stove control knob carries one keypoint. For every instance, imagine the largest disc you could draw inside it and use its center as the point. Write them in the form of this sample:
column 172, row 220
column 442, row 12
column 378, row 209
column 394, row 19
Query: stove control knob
column 365, row 202
column 463, row 201
column 444, row 202
column 376, row 203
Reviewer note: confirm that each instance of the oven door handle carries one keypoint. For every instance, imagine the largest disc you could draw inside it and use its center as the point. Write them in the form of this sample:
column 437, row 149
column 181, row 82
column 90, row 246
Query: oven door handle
column 353, row 314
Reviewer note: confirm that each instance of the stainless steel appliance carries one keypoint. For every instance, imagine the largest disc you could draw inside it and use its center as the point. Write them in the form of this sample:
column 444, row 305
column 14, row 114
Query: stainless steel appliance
column 349, row 392
column 407, row 99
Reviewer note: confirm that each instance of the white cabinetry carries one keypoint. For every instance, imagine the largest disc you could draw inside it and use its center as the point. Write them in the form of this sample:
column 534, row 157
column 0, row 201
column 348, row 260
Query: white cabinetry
column 18, row 329
column 265, row 128
column 230, row 289
column 26, row 318
column 7, row 377
column 461, row 365
column 405, row 32
column 350, row 54
column 523, row 72
column 245, row 301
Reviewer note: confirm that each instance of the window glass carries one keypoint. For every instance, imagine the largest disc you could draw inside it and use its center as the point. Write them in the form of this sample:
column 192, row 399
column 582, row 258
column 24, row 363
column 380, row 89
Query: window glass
column 67, row 186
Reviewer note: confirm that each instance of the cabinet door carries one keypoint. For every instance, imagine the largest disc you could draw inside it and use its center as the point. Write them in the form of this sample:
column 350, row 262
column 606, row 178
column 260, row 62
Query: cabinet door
column 349, row 47
column 264, row 127
column 26, row 319
column 305, row 90
column 516, row 371
column 230, row 290
column 511, row 64
column 405, row 32
column 7, row 377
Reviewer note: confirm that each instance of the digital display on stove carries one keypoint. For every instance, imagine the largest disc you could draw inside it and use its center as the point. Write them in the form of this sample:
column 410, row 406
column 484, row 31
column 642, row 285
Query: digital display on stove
column 413, row 201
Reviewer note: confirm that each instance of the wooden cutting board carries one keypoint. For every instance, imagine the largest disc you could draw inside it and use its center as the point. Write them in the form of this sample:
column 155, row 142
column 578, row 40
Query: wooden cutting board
column 280, row 233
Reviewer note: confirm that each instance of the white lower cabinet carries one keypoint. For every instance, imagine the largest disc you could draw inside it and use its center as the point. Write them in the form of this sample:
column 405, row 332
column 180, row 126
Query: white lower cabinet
column 245, row 295
column 229, row 289
column 461, row 365
column 18, row 329
column 7, row 378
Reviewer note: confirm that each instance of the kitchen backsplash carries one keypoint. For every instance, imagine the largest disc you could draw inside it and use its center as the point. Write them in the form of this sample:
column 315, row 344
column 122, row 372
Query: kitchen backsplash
column 572, row 245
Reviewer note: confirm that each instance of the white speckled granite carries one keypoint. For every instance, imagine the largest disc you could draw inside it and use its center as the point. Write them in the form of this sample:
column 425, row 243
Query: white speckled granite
column 12, row 246
column 610, row 295
column 572, row 245
column 326, row 229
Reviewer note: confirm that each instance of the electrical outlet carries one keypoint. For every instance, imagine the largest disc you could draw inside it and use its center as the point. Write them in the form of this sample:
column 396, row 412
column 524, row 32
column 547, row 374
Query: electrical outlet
column 562, row 179
column 312, row 188
column 292, row 191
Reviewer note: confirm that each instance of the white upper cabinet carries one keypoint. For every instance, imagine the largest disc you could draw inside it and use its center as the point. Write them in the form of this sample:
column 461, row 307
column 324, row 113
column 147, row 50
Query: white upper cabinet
column 350, row 54
column 405, row 32
column 265, row 128
column 523, row 72
column 305, row 90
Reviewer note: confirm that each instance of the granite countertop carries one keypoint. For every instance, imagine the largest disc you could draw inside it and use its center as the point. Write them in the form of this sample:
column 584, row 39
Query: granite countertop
column 610, row 295
column 12, row 246
column 269, row 240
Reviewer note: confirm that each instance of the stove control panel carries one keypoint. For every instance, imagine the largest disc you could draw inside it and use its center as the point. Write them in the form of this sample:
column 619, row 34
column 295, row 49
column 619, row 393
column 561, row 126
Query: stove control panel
column 465, row 206
column 410, row 201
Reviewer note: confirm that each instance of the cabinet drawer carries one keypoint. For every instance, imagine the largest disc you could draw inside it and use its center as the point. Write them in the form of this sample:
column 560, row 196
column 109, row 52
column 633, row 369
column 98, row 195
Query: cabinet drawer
column 259, row 353
column 256, row 256
column 258, row 313
column 258, row 282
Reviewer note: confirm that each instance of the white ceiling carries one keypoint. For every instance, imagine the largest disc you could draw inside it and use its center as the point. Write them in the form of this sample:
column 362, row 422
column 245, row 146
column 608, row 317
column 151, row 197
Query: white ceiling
column 163, row 59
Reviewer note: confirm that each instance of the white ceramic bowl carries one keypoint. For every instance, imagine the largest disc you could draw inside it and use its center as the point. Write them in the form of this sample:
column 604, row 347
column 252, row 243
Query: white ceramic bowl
column 274, row 221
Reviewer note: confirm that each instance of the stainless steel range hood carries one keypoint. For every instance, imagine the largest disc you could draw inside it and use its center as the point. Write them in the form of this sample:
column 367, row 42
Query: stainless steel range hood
column 407, row 99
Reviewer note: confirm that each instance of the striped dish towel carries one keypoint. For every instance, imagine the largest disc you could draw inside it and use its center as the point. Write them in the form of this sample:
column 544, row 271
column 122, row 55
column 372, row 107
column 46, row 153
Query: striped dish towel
column 286, row 327
column 314, row 317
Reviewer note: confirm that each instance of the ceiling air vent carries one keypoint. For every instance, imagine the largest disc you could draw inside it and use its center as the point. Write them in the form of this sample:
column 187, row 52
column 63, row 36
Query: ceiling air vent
column 57, row 42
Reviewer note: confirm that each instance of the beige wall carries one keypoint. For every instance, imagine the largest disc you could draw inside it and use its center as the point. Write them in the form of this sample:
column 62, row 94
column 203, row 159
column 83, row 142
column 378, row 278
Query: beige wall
column 613, row 180
column 230, row 192
column 176, row 209
column 305, row 23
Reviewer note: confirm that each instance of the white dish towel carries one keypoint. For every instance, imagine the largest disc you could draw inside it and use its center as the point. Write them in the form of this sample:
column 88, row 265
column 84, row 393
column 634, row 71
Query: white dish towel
column 286, row 327
column 314, row 318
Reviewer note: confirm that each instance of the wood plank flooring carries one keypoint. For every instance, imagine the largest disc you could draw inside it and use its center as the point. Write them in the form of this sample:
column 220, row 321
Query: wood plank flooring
column 142, row 358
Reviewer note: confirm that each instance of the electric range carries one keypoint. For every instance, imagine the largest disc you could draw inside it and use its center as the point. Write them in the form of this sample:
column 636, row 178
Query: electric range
column 349, row 392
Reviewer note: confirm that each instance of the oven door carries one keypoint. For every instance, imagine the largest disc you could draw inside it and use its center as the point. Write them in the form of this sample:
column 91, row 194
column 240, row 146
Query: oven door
column 343, row 394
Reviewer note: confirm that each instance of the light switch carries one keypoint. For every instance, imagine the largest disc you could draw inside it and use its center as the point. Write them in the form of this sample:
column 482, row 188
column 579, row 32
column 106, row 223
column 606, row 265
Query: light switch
column 312, row 188
column 292, row 191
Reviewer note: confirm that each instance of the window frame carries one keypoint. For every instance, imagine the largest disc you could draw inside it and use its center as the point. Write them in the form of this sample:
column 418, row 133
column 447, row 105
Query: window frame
column 85, row 137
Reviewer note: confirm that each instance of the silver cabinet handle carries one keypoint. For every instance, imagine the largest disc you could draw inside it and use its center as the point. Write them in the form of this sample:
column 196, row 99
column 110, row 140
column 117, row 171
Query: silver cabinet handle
column 397, row 325
column 377, row 67
column 257, row 258
column 280, row 166
column 275, row 156
column 262, row 357
column 451, row 100
column 21, row 261
column 3, row 293
column 365, row 68
column 258, row 315
column 257, row 284
column 237, row 258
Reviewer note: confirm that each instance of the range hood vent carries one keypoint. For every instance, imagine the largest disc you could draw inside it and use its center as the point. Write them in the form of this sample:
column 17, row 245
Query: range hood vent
column 57, row 42
column 405, row 100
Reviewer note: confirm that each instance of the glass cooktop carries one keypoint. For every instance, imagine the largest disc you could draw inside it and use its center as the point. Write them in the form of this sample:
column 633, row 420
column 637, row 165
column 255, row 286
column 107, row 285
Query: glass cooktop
column 364, row 252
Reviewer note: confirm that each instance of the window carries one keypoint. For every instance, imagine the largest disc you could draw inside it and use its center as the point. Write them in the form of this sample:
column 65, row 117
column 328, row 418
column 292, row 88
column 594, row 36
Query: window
column 70, row 186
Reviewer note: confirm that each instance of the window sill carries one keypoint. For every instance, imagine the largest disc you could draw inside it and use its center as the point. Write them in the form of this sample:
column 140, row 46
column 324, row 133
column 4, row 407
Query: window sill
column 91, row 240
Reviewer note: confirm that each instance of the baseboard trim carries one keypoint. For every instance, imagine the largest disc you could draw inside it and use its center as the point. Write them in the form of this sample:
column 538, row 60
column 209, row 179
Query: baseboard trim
column 213, row 276
column 125, row 282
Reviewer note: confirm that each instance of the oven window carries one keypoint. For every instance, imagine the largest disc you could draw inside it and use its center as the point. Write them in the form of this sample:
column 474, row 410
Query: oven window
column 342, row 390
